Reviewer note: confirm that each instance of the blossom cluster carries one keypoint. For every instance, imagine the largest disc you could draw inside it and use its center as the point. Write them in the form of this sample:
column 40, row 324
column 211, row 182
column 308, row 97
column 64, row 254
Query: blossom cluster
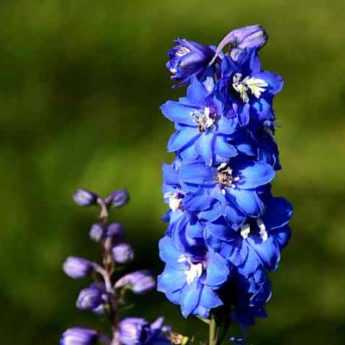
column 106, row 295
column 225, row 229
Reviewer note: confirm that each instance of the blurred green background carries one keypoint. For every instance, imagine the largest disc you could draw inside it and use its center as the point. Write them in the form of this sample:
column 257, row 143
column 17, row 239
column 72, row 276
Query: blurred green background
column 80, row 87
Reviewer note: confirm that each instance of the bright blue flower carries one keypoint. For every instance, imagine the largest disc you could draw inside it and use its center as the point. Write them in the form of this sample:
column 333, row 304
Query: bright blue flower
column 234, row 184
column 258, row 242
column 203, row 128
column 250, row 90
column 187, row 59
column 191, row 278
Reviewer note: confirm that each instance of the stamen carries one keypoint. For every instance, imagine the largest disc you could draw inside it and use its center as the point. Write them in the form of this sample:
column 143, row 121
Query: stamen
column 174, row 200
column 193, row 270
column 245, row 231
column 224, row 176
column 182, row 51
column 205, row 119
column 254, row 85
column 262, row 230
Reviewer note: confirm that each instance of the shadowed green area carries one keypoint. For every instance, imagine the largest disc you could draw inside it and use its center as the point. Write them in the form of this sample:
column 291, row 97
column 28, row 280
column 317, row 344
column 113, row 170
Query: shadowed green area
column 80, row 87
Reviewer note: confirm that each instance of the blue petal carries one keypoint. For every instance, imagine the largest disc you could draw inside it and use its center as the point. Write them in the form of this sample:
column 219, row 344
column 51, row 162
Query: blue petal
column 189, row 154
column 275, row 82
column 226, row 126
column 171, row 280
column 247, row 201
column 255, row 175
column 278, row 213
column 251, row 264
column 197, row 174
column 205, row 147
column 170, row 174
column 223, row 148
column 178, row 112
column 168, row 252
column 197, row 202
column 196, row 92
column 209, row 299
column 173, row 296
column 217, row 269
column 243, row 114
column 234, row 216
column 219, row 230
column 282, row 236
column 194, row 231
column 182, row 138
column 264, row 110
column 268, row 252
column 190, row 298
column 214, row 213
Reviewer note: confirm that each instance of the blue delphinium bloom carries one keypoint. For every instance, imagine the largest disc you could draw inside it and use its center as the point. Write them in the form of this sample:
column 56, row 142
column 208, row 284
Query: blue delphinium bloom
column 191, row 278
column 235, row 183
column 203, row 127
column 187, row 59
column 250, row 90
column 258, row 241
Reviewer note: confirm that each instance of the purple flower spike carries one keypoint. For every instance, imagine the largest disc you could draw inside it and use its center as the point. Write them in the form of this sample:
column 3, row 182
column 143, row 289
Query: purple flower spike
column 123, row 253
column 118, row 198
column 76, row 267
column 139, row 282
column 84, row 197
column 79, row 336
column 91, row 298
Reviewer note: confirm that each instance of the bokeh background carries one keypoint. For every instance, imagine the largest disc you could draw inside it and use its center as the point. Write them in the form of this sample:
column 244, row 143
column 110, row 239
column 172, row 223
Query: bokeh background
column 80, row 87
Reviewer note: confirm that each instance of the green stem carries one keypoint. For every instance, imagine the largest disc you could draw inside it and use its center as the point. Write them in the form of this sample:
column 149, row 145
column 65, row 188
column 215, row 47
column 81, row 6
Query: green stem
column 213, row 331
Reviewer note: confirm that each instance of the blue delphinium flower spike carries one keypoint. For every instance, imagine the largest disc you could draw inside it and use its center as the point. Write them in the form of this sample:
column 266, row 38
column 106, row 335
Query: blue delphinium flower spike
column 225, row 229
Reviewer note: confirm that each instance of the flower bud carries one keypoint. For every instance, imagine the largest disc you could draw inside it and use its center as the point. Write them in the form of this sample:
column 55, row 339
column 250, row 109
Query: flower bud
column 139, row 282
column 123, row 253
column 118, row 198
column 136, row 331
column 248, row 37
column 84, row 197
column 133, row 331
column 97, row 232
column 115, row 231
column 188, row 58
column 76, row 267
column 91, row 298
column 79, row 336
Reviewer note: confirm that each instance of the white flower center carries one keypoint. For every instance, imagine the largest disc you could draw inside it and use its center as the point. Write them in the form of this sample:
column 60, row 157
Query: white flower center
column 182, row 51
column 255, row 85
column 174, row 200
column 225, row 176
column 193, row 270
column 245, row 230
column 205, row 119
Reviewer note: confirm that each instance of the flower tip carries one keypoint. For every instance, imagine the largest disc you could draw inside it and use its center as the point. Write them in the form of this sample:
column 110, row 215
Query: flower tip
column 84, row 197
